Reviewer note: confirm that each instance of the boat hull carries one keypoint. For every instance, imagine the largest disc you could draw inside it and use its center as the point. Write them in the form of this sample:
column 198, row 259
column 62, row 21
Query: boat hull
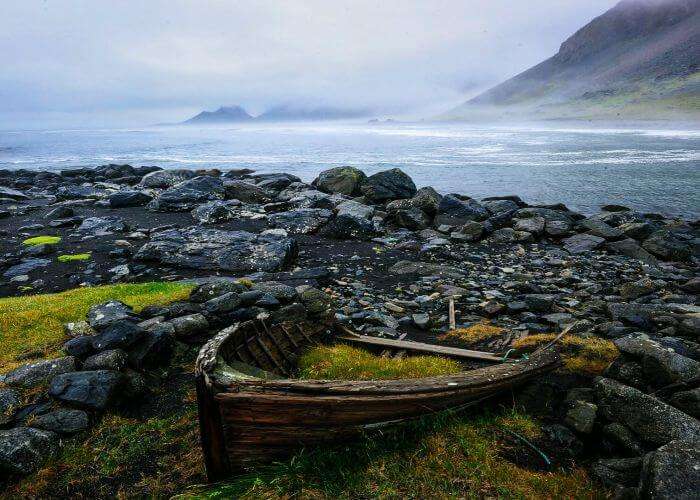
column 254, row 422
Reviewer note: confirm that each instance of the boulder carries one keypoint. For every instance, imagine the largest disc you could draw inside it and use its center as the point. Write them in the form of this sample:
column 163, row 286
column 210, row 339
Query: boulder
column 637, row 230
column 665, row 245
column 24, row 449
column 687, row 401
column 122, row 199
column 350, row 227
column 581, row 416
column 548, row 214
column 454, row 210
column 100, row 226
column 120, row 335
column 101, row 316
column 500, row 206
column 653, row 420
column 6, row 192
column 186, row 195
column 355, row 209
column 275, row 181
column 412, row 218
column 582, row 243
column 672, row 472
column 534, row 225
column 388, row 185
column 213, row 212
column 25, row 267
column 661, row 366
column 599, row 228
column 40, row 372
column 91, row 390
column 471, row 231
column 62, row 421
column 114, row 359
column 235, row 251
column 300, row 221
column 631, row 248
column 166, row 178
column 343, row 180
column 245, row 192
column 154, row 349
column 215, row 288
column 190, row 325
column 618, row 471
column 316, row 302
column 75, row 192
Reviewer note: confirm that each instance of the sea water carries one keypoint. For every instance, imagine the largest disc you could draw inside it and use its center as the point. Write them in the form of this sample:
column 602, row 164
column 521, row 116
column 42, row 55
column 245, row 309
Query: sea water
column 651, row 169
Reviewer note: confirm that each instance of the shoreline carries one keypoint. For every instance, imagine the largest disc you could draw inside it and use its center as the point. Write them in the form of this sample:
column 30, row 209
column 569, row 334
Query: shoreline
column 386, row 259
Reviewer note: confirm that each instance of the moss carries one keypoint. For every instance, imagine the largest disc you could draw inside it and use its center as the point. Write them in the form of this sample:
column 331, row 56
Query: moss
column 344, row 362
column 586, row 356
column 35, row 322
column 73, row 257
column 42, row 240
column 437, row 457
column 474, row 333
column 245, row 282
column 123, row 458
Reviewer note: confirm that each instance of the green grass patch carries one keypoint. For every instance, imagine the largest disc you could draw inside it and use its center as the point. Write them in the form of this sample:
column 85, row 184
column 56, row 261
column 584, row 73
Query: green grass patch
column 75, row 257
column 344, row 362
column 585, row 356
column 42, row 240
column 447, row 456
column 123, row 458
column 35, row 322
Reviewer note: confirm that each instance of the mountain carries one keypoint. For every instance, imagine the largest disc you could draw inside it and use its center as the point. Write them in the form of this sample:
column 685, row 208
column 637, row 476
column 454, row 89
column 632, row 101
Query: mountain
column 287, row 113
column 639, row 59
column 225, row 114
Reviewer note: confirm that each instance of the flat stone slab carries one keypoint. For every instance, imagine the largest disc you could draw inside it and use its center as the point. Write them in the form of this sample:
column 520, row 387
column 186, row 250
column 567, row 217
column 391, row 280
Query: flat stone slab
column 236, row 251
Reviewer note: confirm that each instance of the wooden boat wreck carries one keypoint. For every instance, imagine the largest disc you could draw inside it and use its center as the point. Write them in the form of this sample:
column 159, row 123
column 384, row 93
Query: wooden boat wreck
column 251, row 412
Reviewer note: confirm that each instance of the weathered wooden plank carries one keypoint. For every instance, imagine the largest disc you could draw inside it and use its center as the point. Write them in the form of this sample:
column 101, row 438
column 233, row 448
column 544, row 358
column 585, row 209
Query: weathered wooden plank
column 453, row 352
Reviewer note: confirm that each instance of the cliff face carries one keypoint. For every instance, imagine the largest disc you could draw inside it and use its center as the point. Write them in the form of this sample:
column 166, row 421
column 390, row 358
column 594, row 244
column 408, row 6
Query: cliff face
column 639, row 54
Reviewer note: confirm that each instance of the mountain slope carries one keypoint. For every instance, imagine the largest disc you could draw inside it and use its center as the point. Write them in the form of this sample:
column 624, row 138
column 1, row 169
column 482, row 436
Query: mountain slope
column 639, row 59
column 224, row 114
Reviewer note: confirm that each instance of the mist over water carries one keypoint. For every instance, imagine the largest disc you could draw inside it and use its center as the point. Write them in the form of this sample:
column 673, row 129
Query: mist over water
column 652, row 170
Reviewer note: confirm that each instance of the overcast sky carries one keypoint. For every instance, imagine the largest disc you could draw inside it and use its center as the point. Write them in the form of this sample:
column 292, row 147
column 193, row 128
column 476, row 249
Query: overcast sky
column 131, row 61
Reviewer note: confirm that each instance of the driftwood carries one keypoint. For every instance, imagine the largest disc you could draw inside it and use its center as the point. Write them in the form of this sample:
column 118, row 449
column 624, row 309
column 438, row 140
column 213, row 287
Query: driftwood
column 249, row 415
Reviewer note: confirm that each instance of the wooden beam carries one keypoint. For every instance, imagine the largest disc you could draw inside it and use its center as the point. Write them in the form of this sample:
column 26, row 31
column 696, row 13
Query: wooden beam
column 408, row 345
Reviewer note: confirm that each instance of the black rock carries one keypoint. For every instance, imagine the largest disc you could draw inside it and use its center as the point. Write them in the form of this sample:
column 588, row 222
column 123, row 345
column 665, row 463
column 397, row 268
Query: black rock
column 92, row 390
column 618, row 471
column 122, row 199
column 454, row 210
column 24, row 449
column 114, row 359
column 236, row 251
column 212, row 289
column 300, row 221
column 388, row 185
column 343, row 180
column 60, row 213
column 80, row 347
column 62, row 421
column 37, row 373
column 166, row 178
column 120, row 335
column 101, row 316
column 186, row 195
column 672, row 472
column 155, row 349
column 350, row 227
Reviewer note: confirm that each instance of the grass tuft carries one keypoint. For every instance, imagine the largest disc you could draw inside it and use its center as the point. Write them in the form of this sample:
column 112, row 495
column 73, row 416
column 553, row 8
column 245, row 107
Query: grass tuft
column 35, row 322
column 123, row 458
column 42, row 240
column 73, row 257
column 341, row 362
column 586, row 356
column 475, row 333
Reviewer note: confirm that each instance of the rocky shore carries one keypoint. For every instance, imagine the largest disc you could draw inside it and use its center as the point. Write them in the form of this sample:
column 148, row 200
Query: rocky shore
column 387, row 259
